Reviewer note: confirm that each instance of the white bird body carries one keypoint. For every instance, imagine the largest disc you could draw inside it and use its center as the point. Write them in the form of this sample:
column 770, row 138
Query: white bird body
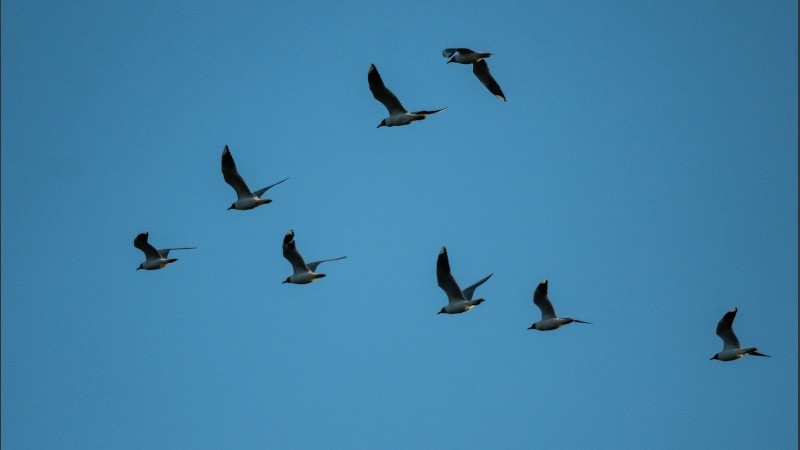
column 549, row 319
column 730, row 343
column 468, row 58
column 304, row 277
column 303, row 273
column 249, row 203
column 458, row 301
column 551, row 324
column 460, row 306
column 398, row 115
column 154, row 259
column 400, row 119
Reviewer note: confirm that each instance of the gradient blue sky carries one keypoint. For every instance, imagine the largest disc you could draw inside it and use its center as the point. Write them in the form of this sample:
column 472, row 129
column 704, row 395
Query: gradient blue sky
column 645, row 163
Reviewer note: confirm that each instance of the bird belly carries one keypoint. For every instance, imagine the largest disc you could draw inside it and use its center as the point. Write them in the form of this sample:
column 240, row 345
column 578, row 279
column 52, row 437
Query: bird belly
column 549, row 324
column 402, row 119
column 305, row 278
column 247, row 203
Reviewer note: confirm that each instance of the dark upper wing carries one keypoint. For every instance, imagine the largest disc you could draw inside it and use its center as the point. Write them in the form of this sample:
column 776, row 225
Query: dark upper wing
column 141, row 243
column 291, row 254
column 259, row 192
column 445, row 278
column 426, row 113
column 481, row 70
column 312, row 266
column 232, row 176
column 725, row 330
column 541, row 300
column 164, row 252
column 469, row 291
column 382, row 93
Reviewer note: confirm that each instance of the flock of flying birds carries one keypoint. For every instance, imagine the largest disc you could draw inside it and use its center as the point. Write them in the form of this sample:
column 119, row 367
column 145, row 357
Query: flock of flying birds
column 459, row 300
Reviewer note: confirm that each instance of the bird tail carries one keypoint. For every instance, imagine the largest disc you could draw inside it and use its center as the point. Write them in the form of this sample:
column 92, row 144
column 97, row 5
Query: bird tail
column 755, row 353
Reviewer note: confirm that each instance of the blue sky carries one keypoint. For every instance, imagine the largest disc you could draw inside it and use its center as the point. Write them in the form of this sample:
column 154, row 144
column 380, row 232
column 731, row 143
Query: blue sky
column 645, row 163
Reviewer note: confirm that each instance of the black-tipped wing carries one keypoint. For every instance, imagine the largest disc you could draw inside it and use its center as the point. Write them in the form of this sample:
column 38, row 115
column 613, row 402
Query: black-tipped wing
column 428, row 112
column 471, row 289
column 164, row 252
column 481, row 70
column 261, row 191
column 542, row 301
column 382, row 93
column 312, row 266
column 292, row 255
column 445, row 278
column 725, row 330
column 141, row 243
column 232, row 176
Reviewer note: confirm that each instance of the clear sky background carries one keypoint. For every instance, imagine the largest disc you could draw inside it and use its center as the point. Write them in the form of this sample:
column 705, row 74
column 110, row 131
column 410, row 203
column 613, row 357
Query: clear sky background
column 645, row 163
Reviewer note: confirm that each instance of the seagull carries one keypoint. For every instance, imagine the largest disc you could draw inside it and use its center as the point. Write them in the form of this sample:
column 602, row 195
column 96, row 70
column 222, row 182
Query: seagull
column 246, row 199
column 549, row 320
column 397, row 114
column 458, row 301
column 479, row 67
column 303, row 273
column 731, row 349
column 155, row 259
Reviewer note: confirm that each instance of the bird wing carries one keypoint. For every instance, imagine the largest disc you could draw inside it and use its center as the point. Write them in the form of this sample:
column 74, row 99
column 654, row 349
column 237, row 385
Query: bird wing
column 382, row 93
column 448, row 52
column 232, row 176
column 261, row 191
column 725, row 330
column 469, row 291
column 541, row 300
column 313, row 265
column 481, row 70
column 164, row 252
column 292, row 255
column 427, row 112
column 446, row 280
column 141, row 243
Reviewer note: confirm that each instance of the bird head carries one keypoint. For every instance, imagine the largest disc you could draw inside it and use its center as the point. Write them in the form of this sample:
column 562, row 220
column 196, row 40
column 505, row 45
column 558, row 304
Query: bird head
column 382, row 124
column 233, row 206
column 441, row 311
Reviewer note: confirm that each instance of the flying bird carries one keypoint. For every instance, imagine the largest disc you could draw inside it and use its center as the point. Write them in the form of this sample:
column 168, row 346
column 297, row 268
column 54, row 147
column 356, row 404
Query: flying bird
column 479, row 67
column 731, row 349
column 154, row 259
column 245, row 198
column 397, row 114
column 458, row 301
column 549, row 319
column 303, row 273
